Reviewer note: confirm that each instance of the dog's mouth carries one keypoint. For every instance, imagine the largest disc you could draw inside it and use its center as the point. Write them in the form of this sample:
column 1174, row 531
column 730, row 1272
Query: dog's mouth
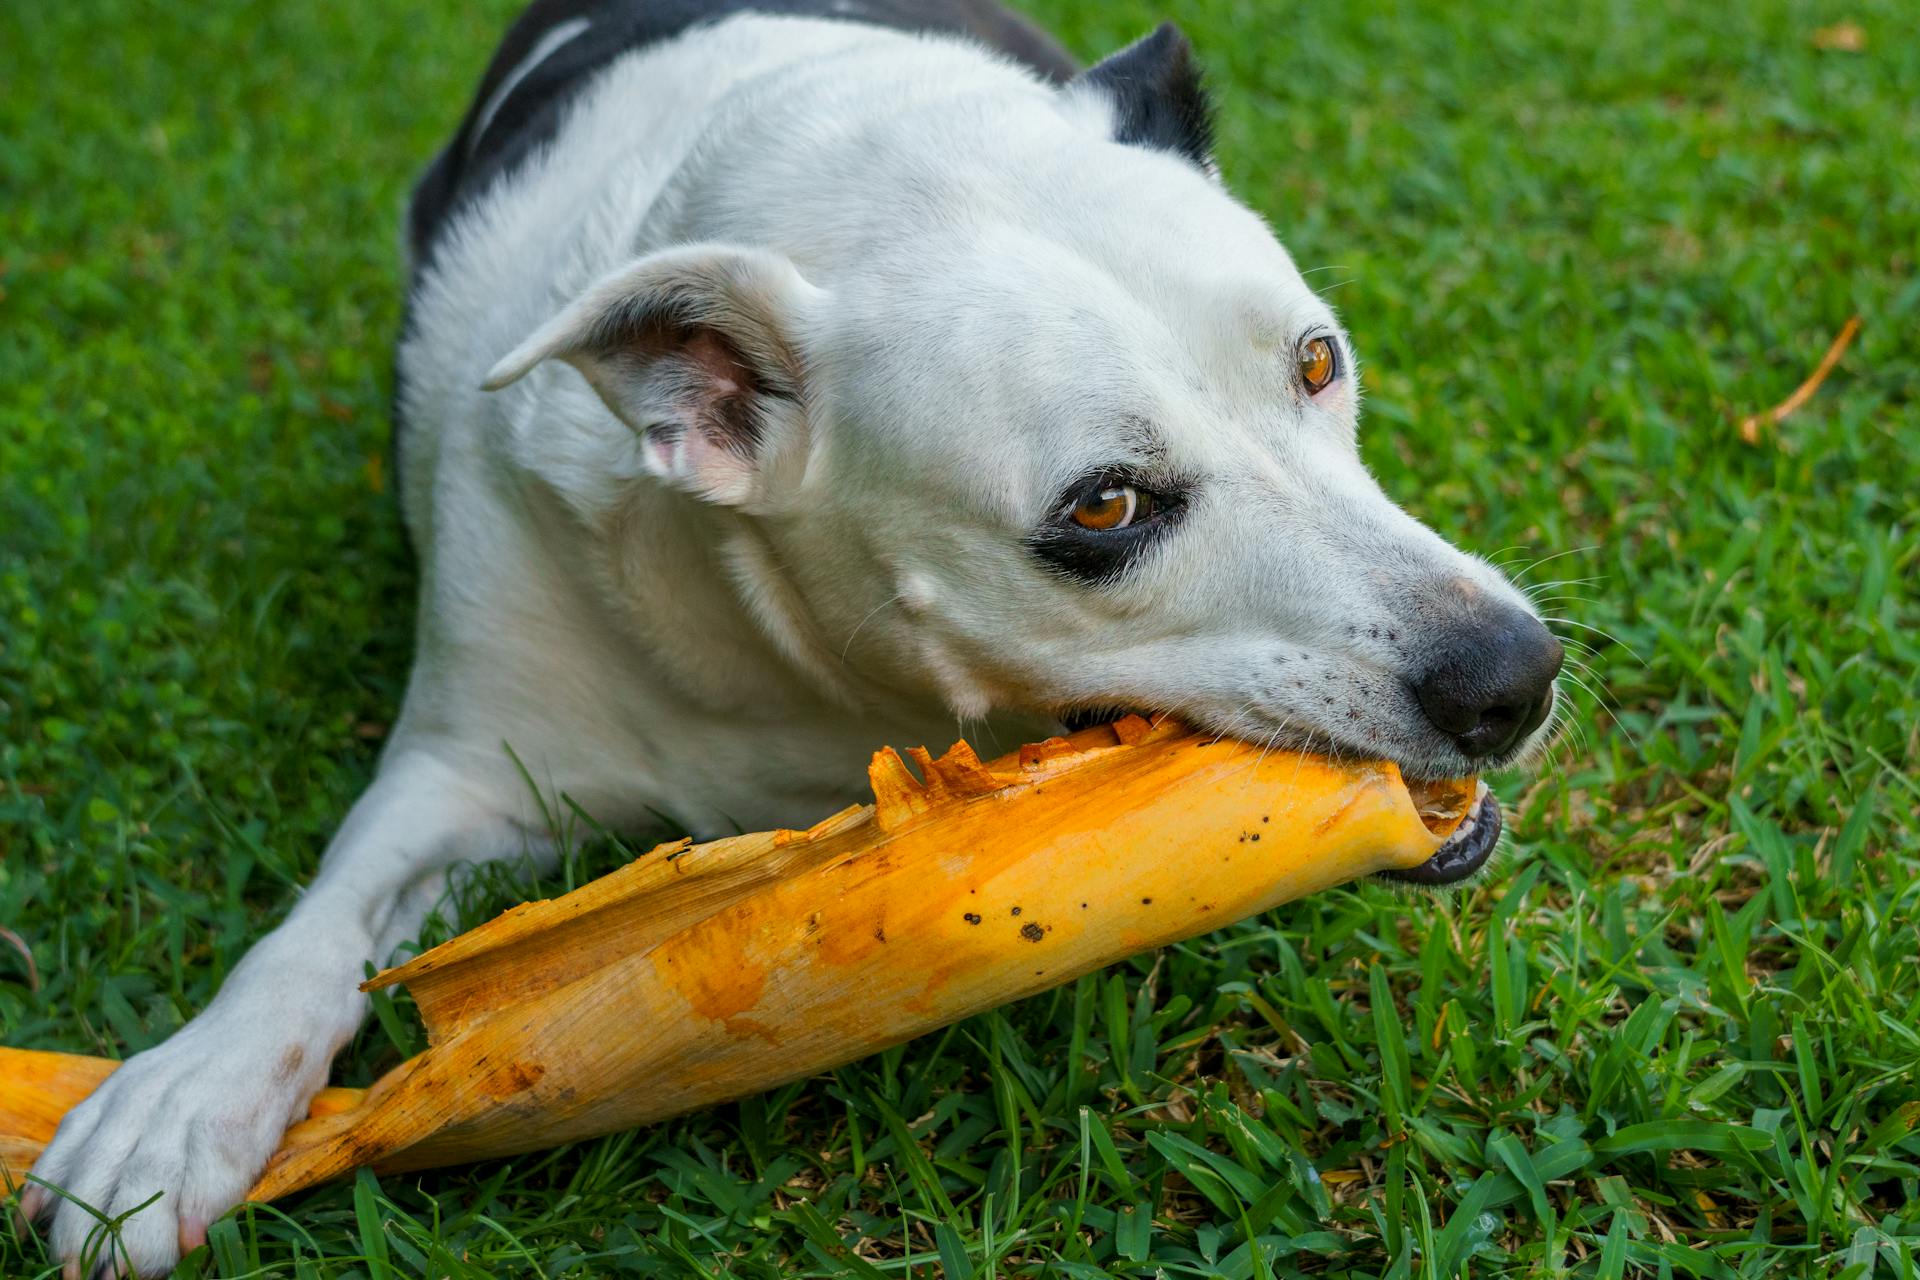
column 1074, row 719
column 1462, row 808
column 1472, row 839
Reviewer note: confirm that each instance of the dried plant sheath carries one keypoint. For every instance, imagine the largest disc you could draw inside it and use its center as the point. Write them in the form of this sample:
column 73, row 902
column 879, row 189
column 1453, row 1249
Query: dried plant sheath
column 704, row 973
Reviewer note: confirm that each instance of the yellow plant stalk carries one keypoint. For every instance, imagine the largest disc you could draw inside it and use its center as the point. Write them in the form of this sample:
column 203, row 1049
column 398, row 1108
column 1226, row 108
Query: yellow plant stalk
column 703, row 973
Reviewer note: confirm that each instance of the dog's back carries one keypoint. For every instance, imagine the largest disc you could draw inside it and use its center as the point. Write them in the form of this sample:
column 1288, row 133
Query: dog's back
column 556, row 46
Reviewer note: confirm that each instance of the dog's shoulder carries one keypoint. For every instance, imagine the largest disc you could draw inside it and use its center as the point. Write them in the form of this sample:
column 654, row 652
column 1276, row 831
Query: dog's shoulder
column 556, row 46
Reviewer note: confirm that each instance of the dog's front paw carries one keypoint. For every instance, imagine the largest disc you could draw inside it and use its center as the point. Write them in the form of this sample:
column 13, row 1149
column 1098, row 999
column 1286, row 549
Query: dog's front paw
column 170, row 1142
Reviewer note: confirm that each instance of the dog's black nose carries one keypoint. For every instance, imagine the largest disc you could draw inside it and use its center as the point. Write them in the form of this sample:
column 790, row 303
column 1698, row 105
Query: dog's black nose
column 1494, row 684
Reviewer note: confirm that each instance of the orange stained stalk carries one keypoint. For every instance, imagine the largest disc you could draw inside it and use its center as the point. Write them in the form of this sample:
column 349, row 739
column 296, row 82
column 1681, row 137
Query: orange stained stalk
column 703, row 973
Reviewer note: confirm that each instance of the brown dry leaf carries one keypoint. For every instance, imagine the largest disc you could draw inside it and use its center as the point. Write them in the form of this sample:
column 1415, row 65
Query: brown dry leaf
column 19, row 944
column 1750, row 426
column 1842, row 37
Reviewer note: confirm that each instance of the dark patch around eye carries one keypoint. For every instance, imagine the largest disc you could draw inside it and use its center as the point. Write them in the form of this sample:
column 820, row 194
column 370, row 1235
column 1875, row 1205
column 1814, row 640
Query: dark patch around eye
column 1099, row 558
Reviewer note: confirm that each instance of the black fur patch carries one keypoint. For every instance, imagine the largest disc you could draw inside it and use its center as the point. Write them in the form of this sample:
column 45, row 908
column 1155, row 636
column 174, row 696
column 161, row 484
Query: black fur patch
column 1159, row 97
column 529, row 116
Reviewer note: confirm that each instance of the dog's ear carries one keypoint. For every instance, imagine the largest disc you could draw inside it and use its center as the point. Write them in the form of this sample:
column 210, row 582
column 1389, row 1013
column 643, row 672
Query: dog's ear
column 1158, row 96
column 694, row 348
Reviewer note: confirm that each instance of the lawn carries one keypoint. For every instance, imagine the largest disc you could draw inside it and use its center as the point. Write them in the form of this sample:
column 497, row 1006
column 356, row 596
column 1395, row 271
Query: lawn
column 1676, row 1033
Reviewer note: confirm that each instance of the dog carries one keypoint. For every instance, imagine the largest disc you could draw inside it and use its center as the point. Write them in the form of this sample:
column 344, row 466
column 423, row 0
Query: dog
column 781, row 379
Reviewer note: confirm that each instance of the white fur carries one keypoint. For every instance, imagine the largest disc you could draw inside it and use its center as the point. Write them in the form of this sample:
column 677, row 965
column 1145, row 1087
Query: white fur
column 987, row 298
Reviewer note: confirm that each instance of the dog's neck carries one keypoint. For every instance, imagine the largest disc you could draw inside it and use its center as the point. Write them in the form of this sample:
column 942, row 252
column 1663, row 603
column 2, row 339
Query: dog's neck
column 705, row 590
column 704, row 598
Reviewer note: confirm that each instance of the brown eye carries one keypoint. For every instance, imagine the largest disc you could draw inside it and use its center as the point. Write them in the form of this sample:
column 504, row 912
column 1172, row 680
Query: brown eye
column 1112, row 506
column 1318, row 365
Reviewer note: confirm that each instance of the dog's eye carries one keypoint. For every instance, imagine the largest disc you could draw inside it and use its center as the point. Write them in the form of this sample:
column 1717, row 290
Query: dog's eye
column 1319, row 365
column 1111, row 506
column 1107, row 521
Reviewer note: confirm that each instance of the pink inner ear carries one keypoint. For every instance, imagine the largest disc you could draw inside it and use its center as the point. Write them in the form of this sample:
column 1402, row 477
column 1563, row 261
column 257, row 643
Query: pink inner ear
column 692, row 460
column 710, row 450
column 717, row 364
column 691, row 392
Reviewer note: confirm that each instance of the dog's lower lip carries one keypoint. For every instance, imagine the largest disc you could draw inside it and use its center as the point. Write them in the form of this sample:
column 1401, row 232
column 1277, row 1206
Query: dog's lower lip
column 1078, row 718
column 1464, row 852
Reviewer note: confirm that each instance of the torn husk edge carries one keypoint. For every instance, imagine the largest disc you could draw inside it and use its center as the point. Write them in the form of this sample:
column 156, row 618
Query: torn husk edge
column 700, row 973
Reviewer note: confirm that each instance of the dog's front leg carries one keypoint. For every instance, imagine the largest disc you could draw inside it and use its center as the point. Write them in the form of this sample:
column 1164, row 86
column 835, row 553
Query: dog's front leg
column 192, row 1121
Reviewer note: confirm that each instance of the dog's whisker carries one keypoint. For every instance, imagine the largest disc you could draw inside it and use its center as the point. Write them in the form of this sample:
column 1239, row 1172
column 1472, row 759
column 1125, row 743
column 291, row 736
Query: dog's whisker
column 847, row 648
column 1566, row 726
column 1598, row 692
column 1566, row 733
column 1548, row 593
column 1574, row 668
column 1177, row 709
column 1613, row 708
column 1569, row 745
column 1601, row 632
column 1233, row 721
column 1267, row 746
column 1555, row 743
column 1521, row 573
column 1600, row 703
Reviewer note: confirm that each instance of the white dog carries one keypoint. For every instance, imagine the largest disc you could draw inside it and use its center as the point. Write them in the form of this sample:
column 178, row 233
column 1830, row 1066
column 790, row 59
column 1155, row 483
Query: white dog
column 777, row 384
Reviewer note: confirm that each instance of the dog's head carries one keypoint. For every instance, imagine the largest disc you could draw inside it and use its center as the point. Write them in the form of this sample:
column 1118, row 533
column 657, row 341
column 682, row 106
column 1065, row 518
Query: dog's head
column 1066, row 429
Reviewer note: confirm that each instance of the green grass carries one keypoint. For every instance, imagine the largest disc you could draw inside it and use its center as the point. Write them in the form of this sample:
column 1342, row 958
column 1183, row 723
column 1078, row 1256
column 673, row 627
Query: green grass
column 1678, row 1034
